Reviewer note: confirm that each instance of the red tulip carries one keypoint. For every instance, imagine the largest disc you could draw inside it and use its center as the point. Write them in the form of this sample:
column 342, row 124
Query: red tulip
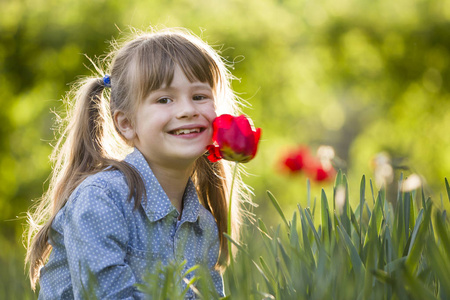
column 233, row 139
column 319, row 173
column 295, row 161
column 302, row 161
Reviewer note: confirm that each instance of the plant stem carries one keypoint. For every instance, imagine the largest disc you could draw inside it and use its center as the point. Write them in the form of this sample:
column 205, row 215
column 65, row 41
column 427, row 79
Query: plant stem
column 229, row 211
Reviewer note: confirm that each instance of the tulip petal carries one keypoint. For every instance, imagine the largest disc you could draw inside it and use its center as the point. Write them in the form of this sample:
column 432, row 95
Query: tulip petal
column 257, row 136
column 221, row 122
column 214, row 153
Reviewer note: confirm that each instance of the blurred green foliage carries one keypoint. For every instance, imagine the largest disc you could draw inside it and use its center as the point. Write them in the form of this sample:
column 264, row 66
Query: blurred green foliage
column 361, row 76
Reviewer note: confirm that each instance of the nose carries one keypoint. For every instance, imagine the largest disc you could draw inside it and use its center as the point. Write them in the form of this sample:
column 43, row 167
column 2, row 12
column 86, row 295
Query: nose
column 187, row 109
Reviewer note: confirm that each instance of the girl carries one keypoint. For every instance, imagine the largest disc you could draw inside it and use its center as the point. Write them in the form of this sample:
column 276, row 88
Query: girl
column 105, row 222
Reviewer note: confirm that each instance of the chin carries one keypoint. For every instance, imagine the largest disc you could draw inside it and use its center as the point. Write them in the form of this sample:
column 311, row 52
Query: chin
column 189, row 157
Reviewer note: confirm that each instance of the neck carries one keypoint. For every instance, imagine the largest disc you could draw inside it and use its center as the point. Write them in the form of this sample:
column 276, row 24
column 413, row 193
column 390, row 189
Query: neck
column 173, row 181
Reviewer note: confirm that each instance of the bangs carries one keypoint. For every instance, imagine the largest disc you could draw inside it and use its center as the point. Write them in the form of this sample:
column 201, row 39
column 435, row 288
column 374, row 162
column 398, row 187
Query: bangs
column 157, row 57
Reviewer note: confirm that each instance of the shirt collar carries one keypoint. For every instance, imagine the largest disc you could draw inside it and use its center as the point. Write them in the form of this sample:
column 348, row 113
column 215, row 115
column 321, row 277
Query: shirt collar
column 158, row 204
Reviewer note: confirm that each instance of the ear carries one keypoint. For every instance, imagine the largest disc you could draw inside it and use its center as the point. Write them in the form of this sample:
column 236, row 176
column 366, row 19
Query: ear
column 124, row 125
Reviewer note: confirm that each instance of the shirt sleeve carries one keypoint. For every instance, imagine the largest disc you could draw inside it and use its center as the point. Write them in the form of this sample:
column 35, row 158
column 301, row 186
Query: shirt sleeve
column 96, row 238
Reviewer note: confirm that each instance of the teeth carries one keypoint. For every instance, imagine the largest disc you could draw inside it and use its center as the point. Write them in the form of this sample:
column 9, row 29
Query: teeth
column 186, row 131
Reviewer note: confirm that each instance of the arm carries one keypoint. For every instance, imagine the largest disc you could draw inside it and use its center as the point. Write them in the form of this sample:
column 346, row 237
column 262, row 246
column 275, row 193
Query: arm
column 96, row 238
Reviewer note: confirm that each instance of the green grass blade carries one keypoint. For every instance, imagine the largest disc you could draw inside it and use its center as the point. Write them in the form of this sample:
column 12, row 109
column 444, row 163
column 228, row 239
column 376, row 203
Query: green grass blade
column 314, row 207
column 293, row 234
column 447, row 187
column 415, row 230
column 362, row 195
column 262, row 228
column 192, row 269
column 395, row 265
column 269, row 282
column 354, row 223
column 311, row 225
column 406, row 212
column 237, row 245
column 375, row 220
column 357, row 264
column 266, row 268
column 306, row 243
column 337, row 184
column 277, row 207
column 417, row 289
column 416, row 248
column 441, row 267
column 442, row 231
column 326, row 221
column 346, row 210
column 439, row 255
column 371, row 189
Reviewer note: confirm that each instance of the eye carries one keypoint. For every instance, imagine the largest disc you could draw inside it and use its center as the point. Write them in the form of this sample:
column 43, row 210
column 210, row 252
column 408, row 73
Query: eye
column 164, row 100
column 199, row 97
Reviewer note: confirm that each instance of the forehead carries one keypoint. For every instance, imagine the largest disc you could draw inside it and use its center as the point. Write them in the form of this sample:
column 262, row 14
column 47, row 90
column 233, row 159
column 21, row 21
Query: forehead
column 161, row 56
column 180, row 79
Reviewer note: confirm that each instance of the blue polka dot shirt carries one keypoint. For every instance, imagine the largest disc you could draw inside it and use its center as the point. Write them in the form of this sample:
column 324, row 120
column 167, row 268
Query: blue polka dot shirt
column 99, row 233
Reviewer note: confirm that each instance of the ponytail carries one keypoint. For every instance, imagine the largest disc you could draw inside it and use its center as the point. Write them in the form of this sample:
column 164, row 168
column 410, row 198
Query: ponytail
column 82, row 149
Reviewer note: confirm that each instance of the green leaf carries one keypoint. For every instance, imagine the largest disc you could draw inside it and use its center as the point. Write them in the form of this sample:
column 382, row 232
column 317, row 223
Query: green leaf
column 311, row 225
column 440, row 261
column 442, row 231
column 416, row 248
column 337, row 183
column 375, row 221
column 263, row 229
column 344, row 213
column 447, row 187
column 362, row 195
column 354, row 223
column 266, row 279
column 293, row 236
column 314, row 207
column 266, row 268
column 383, row 277
column 415, row 230
column 306, row 244
column 417, row 289
column 395, row 265
column 371, row 189
column 407, row 212
column 326, row 221
column 277, row 207
column 357, row 264
column 237, row 245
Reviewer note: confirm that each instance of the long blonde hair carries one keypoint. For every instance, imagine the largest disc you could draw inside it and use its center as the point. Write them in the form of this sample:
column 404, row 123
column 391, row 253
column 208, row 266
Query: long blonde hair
column 90, row 142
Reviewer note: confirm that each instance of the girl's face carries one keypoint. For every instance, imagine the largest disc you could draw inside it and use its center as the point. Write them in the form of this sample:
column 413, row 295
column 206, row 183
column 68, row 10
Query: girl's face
column 173, row 125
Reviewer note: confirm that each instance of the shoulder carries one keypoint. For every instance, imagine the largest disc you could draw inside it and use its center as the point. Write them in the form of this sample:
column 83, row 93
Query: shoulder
column 108, row 184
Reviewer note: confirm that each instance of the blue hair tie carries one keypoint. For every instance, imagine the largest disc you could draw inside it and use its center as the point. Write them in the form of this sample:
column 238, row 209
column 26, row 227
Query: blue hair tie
column 107, row 81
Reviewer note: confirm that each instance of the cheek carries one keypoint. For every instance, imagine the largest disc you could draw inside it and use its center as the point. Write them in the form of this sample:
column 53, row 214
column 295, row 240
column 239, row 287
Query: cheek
column 210, row 113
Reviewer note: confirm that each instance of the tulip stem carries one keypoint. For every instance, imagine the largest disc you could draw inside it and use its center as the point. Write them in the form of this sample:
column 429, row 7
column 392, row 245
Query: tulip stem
column 229, row 212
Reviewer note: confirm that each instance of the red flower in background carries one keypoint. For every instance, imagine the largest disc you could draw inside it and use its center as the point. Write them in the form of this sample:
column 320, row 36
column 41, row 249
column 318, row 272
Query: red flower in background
column 295, row 161
column 233, row 139
column 318, row 168
column 320, row 173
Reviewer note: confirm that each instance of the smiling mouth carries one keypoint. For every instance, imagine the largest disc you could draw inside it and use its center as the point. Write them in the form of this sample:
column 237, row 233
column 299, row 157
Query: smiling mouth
column 186, row 131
